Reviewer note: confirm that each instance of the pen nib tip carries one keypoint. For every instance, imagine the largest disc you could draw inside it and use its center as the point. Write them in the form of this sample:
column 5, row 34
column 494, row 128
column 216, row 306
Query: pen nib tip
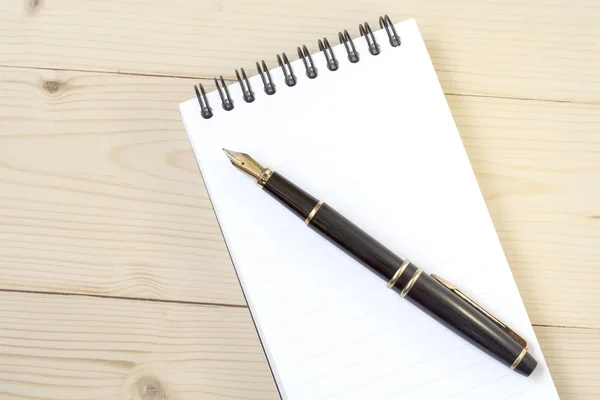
column 244, row 162
column 232, row 155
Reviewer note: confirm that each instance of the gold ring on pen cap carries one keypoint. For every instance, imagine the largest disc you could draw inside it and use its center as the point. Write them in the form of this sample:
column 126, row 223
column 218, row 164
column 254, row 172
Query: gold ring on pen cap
column 313, row 212
column 411, row 283
column 518, row 360
column 397, row 275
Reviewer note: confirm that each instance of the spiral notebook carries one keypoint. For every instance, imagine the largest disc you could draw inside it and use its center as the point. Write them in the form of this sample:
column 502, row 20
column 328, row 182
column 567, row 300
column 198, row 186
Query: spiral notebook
column 363, row 125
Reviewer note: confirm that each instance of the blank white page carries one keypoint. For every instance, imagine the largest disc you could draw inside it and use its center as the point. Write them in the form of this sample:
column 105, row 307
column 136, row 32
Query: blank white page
column 376, row 141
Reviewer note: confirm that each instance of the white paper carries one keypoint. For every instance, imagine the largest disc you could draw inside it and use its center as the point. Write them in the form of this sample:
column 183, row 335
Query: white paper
column 376, row 141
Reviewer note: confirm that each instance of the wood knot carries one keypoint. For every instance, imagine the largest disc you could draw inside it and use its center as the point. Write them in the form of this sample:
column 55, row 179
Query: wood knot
column 150, row 388
column 33, row 6
column 52, row 86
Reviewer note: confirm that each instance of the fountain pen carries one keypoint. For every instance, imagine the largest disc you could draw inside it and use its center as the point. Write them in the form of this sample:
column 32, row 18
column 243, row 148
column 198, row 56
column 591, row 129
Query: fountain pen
column 432, row 294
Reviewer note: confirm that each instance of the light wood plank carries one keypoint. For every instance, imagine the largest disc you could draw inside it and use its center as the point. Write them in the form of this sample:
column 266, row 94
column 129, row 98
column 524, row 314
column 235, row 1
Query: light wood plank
column 518, row 48
column 101, row 193
column 538, row 166
column 75, row 347
column 573, row 356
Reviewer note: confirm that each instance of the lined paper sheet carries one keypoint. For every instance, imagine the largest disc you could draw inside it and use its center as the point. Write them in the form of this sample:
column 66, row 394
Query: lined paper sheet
column 376, row 141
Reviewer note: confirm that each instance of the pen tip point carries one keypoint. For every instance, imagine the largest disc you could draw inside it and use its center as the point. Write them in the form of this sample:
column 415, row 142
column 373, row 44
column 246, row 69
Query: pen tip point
column 244, row 162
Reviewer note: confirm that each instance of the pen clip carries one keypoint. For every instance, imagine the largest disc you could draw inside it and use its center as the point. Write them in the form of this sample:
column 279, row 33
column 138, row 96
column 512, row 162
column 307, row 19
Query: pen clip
column 483, row 311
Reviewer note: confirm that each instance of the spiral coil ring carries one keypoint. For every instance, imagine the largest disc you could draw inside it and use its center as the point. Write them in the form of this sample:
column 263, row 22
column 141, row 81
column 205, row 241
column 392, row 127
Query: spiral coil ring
column 205, row 109
column 286, row 67
column 226, row 100
column 348, row 43
column 386, row 23
column 309, row 66
column 365, row 30
column 325, row 47
column 265, row 75
column 245, row 85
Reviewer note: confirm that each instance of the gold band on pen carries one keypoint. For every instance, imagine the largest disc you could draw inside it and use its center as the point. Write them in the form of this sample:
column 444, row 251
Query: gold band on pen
column 264, row 177
column 397, row 275
column 518, row 360
column 313, row 212
column 411, row 283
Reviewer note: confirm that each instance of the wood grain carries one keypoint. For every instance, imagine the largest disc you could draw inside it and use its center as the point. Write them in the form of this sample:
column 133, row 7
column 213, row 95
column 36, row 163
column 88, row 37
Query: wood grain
column 573, row 356
column 538, row 166
column 519, row 48
column 101, row 194
column 75, row 347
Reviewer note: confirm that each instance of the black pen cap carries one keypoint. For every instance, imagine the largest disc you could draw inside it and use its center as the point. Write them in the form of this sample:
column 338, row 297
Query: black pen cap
column 527, row 365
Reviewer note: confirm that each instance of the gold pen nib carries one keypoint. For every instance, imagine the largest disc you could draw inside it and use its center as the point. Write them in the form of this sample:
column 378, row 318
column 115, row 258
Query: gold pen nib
column 245, row 163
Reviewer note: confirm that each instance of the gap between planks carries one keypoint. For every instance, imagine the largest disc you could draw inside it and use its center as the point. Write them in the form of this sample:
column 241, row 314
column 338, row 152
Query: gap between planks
column 233, row 80
column 102, row 296
column 208, row 304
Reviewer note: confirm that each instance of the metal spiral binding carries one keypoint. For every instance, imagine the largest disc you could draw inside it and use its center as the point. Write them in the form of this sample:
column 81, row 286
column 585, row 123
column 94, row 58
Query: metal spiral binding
column 311, row 70
column 365, row 30
column 245, row 85
column 226, row 100
column 286, row 67
column 205, row 109
column 348, row 43
column 325, row 47
column 265, row 75
column 385, row 22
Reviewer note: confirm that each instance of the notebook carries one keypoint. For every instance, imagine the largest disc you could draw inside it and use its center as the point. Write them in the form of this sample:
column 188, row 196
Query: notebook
column 375, row 139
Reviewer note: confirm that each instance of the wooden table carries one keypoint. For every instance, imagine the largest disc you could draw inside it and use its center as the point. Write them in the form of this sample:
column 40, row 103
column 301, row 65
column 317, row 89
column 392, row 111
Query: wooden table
column 115, row 282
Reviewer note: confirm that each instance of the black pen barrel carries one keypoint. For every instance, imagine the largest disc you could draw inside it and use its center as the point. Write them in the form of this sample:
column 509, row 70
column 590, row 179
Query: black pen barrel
column 404, row 277
column 463, row 319
column 336, row 228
